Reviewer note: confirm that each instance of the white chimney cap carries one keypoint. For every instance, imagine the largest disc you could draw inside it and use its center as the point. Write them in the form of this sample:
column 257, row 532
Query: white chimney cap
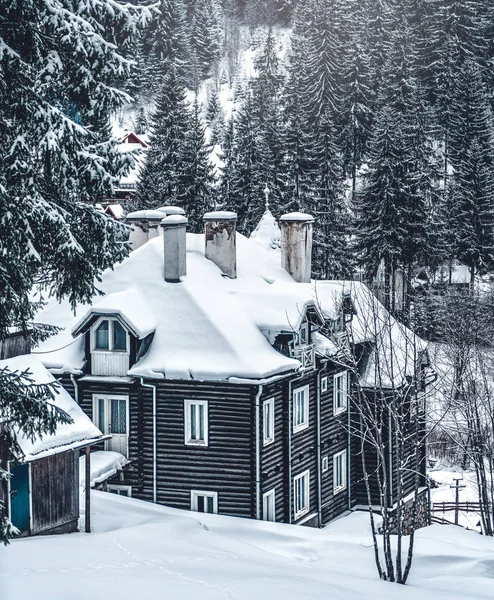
column 220, row 215
column 174, row 220
column 171, row 210
column 145, row 215
column 296, row 216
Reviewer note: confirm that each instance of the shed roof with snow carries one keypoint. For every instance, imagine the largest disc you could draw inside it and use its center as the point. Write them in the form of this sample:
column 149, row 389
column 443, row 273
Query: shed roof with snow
column 67, row 436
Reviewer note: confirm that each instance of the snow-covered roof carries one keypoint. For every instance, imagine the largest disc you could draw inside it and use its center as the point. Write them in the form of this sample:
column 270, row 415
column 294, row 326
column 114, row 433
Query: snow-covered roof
column 129, row 305
column 267, row 233
column 104, row 464
column 67, row 436
column 116, row 210
column 209, row 327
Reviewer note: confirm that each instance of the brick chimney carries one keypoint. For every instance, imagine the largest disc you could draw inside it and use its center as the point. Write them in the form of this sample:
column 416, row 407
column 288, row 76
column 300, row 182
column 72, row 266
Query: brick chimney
column 174, row 242
column 296, row 245
column 221, row 244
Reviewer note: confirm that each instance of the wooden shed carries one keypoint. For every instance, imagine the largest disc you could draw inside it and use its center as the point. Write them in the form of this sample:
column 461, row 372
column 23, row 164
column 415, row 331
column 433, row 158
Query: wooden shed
column 42, row 494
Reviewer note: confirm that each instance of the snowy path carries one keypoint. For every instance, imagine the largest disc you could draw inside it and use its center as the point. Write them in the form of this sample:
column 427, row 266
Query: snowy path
column 139, row 551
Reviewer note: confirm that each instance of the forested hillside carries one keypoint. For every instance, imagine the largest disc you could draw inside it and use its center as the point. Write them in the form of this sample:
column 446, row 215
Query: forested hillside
column 375, row 117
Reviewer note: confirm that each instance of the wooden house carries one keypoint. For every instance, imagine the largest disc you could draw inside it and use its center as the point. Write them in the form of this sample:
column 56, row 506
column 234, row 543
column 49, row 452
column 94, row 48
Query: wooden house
column 210, row 362
column 42, row 494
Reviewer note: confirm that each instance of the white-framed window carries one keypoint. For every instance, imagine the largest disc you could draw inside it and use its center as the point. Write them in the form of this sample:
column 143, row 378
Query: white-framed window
column 301, row 491
column 268, row 421
column 324, row 384
column 340, row 392
column 120, row 490
column 325, row 464
column 108, row 335
column 196, row 422
column 205, row 502
column 339, row 472
column 300, row 408
column 111, row 416
column 269, row 506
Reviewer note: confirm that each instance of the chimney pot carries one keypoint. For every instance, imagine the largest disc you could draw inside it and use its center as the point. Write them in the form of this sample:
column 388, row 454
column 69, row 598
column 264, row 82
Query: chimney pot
column 174, row 242
column 220, row 240
column 296, row 245
column 145, row 226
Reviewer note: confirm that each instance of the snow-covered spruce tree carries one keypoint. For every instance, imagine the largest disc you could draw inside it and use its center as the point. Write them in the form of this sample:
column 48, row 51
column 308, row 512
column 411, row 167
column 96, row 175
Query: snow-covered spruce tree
column 206, row 36
column 176, row 169
column 471, row 187
column 165, row 40
column 194, row 184
column 266, row 90
column 58, row 68
column 358, row 101
column 247, row 169
column 297, row 123
column 331, row 259
column 392, row 209
column 158, row 179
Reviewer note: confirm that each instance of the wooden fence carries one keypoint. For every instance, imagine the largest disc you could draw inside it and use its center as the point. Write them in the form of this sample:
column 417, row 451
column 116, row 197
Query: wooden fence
column 452, row 506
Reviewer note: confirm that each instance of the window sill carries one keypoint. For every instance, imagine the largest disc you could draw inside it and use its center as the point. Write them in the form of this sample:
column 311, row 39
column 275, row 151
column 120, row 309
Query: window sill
column 195, row 444
column 301, row 514
column 298, row 428
column 340, row 411
column 338, row 490
column 268, row 442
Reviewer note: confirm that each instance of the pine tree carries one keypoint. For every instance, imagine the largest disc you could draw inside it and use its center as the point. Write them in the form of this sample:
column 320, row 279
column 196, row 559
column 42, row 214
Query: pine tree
column 471, row 188
column 168, row 40
column 57, row 90
column 206, row 36
column 194, row 183
column 158, row 180
column 400, row 186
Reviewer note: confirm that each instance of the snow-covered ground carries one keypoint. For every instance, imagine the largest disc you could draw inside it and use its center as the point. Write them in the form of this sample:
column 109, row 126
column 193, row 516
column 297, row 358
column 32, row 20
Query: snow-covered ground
column 141, row 551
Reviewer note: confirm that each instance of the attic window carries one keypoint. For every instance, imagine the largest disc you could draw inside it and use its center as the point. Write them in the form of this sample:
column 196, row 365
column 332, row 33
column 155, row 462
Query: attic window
column 110, row 336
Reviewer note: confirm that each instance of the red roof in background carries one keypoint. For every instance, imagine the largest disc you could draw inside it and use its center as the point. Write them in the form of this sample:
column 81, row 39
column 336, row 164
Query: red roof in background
column 131, row 138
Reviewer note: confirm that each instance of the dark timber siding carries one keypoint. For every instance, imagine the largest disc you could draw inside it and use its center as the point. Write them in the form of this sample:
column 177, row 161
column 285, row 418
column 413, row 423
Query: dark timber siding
column 274, row 455
column 334, row 439
column 304, row 444
column 55, row 491
column 226, row 466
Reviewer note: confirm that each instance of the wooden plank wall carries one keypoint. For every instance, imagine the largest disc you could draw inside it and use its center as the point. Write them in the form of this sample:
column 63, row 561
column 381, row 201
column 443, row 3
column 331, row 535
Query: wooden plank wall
column 54, row 491
column 334, row 439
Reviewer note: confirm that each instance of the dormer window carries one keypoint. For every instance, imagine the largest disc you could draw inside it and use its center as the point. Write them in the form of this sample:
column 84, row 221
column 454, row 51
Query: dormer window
column 110, row 336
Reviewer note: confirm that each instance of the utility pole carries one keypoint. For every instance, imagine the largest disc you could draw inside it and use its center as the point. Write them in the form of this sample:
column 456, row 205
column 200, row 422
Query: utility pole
column 456, row 486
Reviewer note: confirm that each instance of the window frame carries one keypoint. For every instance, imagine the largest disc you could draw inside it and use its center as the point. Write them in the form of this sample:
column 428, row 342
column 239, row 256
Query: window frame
column 194, row 494
column 324, row 384
column 269, row 403
column 300, row 512
column 103, row 427
column 342, row 375
column 305, row 423
column 188, row 441
column 269, row 496
column 325, row 464
column 110, row 350
column 120, row 488
column 343, row 485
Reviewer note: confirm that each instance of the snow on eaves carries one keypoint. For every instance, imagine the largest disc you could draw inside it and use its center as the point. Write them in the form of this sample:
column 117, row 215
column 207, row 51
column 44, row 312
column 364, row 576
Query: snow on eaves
column 67, row 436
column 129, row 305
column 209, row 327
